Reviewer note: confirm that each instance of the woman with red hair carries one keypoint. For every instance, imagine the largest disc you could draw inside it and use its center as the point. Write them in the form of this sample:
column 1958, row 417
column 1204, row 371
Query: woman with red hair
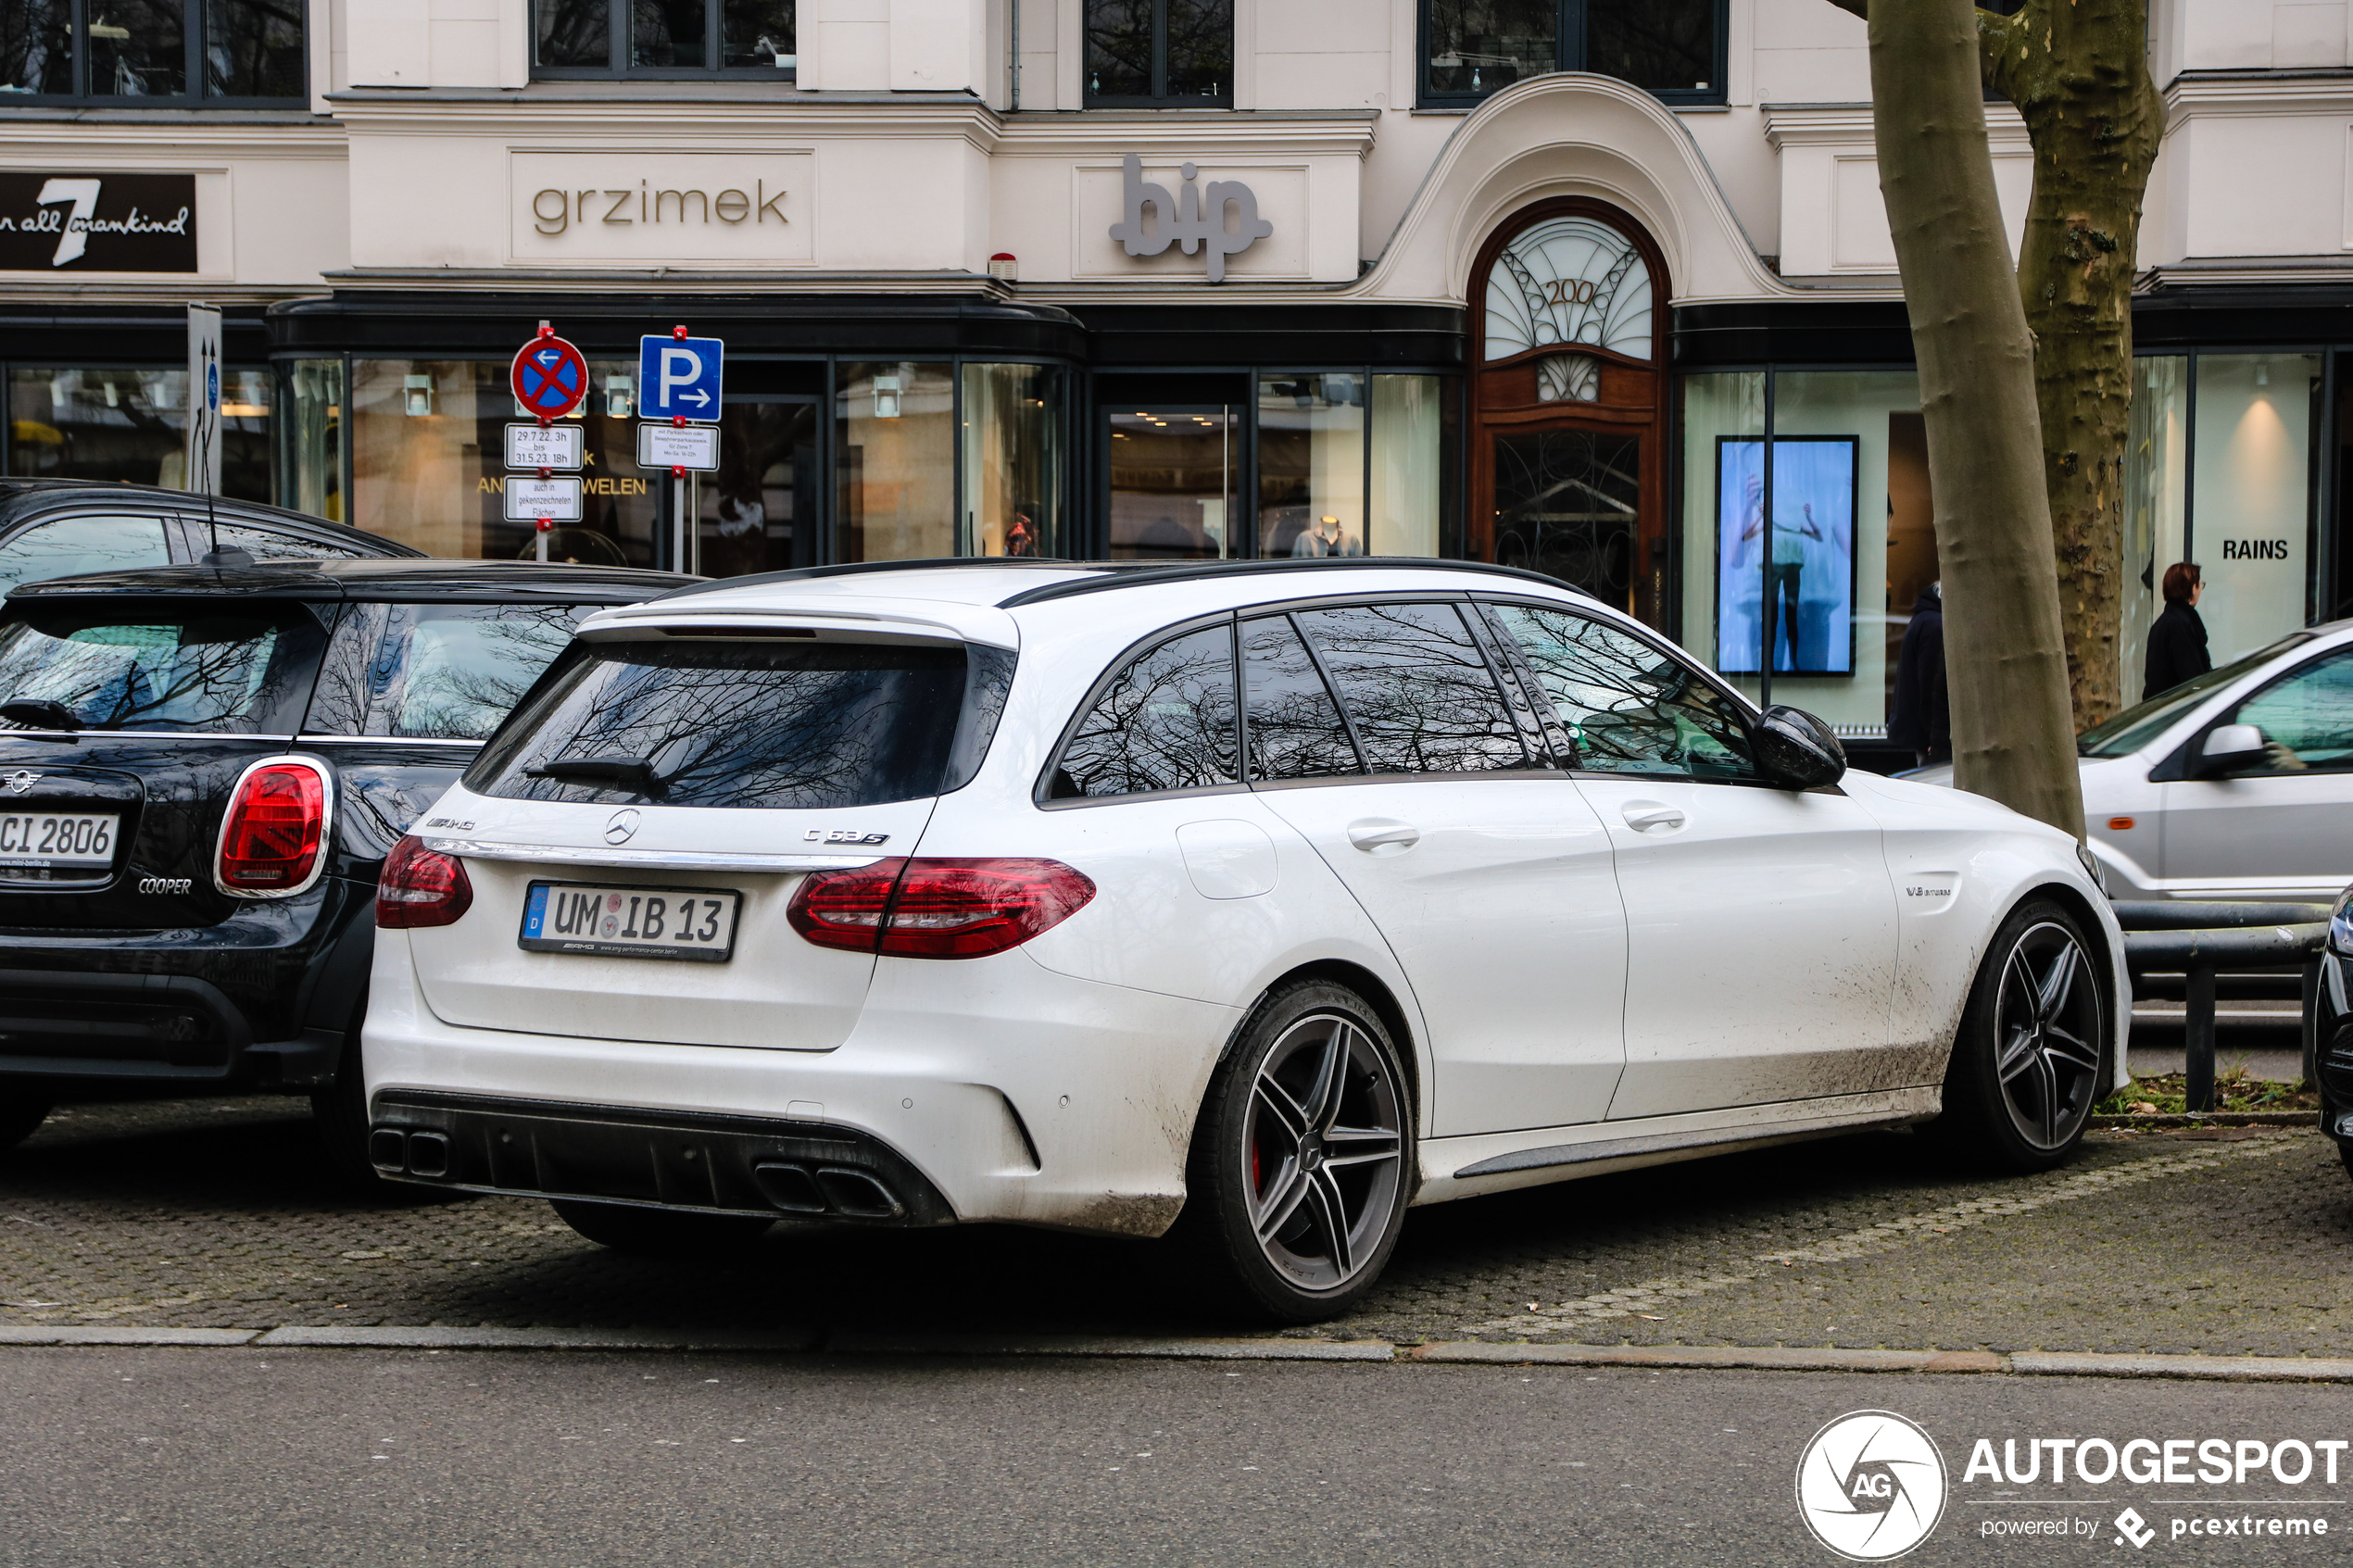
column 2177, row 642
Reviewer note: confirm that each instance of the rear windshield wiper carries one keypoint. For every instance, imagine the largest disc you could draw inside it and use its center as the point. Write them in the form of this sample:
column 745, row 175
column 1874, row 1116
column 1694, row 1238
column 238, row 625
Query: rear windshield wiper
column 636, row 770
column 41, row 713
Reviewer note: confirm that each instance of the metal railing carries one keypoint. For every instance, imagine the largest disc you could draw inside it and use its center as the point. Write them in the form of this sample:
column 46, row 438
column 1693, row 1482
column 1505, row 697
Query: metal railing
column 2199, row 938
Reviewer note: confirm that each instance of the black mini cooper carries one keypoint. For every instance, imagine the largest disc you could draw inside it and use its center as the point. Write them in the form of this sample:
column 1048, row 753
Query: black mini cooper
column 201, row 770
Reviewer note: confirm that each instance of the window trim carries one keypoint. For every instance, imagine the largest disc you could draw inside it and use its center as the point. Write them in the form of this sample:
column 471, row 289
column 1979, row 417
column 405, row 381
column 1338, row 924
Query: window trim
column 192, row 24
column 1160, row 98
column 617, row 52
column 1568, row 54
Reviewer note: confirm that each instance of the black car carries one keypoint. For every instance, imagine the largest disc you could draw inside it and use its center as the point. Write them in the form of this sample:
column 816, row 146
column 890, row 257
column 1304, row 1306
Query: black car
column 65, row 527
column 201, row 770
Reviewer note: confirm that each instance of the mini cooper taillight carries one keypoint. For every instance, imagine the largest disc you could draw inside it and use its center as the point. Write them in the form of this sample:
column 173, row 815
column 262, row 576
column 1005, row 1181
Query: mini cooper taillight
column 938, row 908
column 421, row 887
column 272, row 835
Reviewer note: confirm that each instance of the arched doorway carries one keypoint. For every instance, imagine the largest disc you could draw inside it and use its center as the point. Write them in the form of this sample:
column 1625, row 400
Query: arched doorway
column 1570, row 402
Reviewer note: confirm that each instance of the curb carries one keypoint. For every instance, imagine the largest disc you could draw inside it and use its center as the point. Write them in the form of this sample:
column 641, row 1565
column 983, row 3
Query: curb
column 2212, row 1119
column 1685, row 1358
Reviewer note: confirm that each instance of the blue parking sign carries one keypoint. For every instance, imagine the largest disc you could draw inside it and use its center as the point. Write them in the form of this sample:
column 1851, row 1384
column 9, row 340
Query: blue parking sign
column 679, row 378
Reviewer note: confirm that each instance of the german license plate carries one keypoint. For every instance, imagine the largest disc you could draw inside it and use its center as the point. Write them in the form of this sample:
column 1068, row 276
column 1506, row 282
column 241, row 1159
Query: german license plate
column 694, row 923
column 50, row 845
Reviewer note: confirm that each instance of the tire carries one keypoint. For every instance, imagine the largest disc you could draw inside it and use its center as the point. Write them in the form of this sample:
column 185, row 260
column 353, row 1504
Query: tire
column 658, row 1231
column 21, row 1110
column 2028, row 1065
column 1282, row 1227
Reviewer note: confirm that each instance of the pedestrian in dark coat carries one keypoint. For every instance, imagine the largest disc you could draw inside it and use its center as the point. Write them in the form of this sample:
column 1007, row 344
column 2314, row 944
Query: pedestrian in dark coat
column 2177, row 642
column 1922, row 717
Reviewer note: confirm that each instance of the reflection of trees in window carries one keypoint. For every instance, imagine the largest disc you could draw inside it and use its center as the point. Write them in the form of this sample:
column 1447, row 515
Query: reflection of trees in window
column 2309, row 717
column 1629, row 707
column 1166, row 722
column 724, row 725
column 1295, row 728
column 203, row 674
column 1417, row 687
column 435, row 671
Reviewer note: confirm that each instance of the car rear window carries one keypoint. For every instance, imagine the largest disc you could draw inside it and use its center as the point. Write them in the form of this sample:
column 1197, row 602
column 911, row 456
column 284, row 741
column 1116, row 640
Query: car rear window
column 806, row 726
column 435, row 671
column 198, row 670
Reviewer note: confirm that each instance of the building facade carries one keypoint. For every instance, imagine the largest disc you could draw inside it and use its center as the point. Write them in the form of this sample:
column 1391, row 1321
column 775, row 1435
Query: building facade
column 1524, row 280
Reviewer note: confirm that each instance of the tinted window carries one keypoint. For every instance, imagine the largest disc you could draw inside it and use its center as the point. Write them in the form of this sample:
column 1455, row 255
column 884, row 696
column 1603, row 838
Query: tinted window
column 804, row 726
column 1295, row 728
column 148, row 671
column 2308, row 717
column 1629, row 708
column 1422, row 697
column 264, row 544
column 435, row 671
column 75, row 545
column 1166, row 722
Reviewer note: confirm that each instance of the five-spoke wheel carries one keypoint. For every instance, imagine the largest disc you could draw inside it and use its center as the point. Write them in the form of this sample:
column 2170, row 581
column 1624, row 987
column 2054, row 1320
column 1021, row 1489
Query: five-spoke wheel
column 1301, row 1166
column 2030, row 1061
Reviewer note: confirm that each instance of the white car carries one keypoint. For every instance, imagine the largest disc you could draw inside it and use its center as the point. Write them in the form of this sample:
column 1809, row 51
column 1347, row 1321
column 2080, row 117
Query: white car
column 1268, row 898
column 2237, row 783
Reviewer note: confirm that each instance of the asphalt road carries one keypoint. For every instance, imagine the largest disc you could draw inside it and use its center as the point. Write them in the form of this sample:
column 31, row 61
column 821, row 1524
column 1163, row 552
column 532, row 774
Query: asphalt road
column 249, row 1457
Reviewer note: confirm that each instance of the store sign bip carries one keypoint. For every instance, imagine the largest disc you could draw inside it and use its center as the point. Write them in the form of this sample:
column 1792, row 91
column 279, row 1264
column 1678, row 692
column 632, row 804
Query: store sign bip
column 1194, row 217
column 97, row 222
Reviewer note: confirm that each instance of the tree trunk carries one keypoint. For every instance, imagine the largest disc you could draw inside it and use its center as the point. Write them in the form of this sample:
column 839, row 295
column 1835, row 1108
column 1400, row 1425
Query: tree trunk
column 2013, row 734
column 2078, row 72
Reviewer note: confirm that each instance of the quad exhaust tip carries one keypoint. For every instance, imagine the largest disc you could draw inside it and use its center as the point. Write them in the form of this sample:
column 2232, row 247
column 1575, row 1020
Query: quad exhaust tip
column 420, row 1154
column 827, row 1189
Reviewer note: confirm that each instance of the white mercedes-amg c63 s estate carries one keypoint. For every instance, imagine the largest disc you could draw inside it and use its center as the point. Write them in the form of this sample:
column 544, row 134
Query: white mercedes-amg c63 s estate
column 1256, row 900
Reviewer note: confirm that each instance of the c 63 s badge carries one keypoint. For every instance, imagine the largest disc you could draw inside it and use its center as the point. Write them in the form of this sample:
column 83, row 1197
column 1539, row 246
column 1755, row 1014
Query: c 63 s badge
column 843, row 835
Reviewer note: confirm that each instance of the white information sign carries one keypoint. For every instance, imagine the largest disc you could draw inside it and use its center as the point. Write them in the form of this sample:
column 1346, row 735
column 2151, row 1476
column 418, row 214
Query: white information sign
column 544, row 447
column 530, row 499
column 678, row 447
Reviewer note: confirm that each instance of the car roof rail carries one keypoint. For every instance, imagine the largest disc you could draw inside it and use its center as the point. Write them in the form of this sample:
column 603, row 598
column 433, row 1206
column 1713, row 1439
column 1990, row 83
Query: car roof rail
column 1137, row 574
column 859, row 568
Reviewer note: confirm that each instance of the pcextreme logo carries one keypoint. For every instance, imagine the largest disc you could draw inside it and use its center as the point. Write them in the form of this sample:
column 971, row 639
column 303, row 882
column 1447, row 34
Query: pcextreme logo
column 1870, row 1485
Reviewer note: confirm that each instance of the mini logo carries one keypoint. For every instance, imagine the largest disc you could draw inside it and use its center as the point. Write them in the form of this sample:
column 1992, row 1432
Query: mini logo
column 624, row 826
column 1870, row 1485
column 2130, row 1527
column 22, row 781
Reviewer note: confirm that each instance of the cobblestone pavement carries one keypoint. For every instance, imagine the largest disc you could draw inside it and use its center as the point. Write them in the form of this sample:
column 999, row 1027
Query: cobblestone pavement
column 220, row 1213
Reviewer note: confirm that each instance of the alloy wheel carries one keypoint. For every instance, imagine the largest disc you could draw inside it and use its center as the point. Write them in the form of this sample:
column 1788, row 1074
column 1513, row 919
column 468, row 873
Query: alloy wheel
column 1324, row 1142
column 2047, row 1033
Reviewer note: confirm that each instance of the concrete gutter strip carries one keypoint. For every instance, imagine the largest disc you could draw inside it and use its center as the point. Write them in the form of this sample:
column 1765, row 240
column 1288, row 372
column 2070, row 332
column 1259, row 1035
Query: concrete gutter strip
column 2236, row 1369
column 68, row 1336
column 355, row 1338
column 1718, row 1358
column 856, row 1343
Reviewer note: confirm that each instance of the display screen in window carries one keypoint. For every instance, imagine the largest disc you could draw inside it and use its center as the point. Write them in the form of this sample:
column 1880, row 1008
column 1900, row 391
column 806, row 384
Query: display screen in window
column 1796, row 577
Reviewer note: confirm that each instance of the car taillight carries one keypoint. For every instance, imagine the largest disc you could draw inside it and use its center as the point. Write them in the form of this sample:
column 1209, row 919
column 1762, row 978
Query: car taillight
column 271, row 836
column 421, row 887
column 938, row 908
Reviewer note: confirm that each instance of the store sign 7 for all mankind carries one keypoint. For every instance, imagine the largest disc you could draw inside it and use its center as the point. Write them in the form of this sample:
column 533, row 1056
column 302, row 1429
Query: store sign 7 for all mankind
column 1195, row 218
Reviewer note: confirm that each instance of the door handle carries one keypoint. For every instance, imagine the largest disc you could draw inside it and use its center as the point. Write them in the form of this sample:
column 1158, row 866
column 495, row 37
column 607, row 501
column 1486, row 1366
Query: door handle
column 1651, row 816
column 1376, row 835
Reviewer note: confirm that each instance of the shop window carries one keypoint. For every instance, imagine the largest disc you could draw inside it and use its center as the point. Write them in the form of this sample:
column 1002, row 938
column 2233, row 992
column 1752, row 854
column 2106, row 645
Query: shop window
column 226, row 52
column 894, row 462
column 1412, row 465
column 1311, row 463
column 2251, row 496
column 1176, row 54
column 1472, row 48
column 1175, row 481
column 428, row 465
column 1012, row 425
column 131, row 426
column 665, row 38
column 759, row 511
column 310, row 454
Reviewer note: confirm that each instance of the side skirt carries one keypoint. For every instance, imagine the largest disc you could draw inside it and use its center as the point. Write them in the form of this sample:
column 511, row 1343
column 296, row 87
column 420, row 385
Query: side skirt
column 1465, row 1167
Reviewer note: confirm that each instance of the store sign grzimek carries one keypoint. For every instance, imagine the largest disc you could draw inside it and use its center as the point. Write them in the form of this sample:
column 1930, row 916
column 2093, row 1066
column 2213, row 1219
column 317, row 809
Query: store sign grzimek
column 97, row 222
column 1195, row 218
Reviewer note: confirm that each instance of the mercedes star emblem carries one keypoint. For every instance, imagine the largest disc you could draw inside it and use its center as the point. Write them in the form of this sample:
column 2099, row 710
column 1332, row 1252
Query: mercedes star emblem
column 623, row 827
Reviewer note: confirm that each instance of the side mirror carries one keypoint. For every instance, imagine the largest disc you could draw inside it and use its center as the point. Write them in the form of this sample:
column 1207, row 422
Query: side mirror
column 1797, row 750
column 2229, row 747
